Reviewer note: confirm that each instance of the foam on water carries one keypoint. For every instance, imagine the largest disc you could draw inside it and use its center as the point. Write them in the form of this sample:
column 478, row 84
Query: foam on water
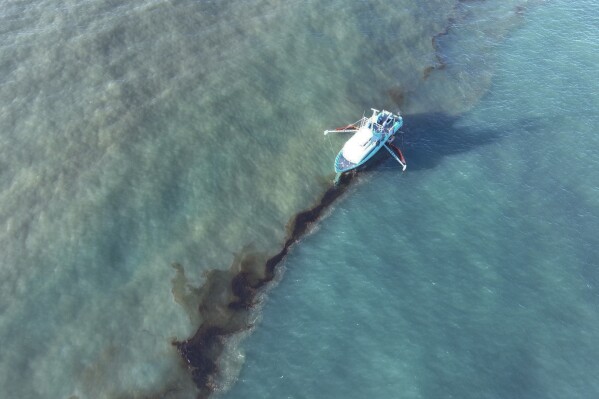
column 473, row 275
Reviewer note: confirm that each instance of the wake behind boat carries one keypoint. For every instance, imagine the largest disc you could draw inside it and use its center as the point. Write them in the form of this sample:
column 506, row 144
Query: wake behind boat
column 370, row 135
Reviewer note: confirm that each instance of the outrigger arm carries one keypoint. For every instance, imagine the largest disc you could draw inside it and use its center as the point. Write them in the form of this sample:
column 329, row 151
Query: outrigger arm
column 351, row 128
column 340, row 131
column 402, row 163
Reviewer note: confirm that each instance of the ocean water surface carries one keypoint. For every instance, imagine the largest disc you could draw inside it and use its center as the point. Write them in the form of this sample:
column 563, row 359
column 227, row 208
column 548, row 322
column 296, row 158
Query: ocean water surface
column 474, row 274
column 143, row 145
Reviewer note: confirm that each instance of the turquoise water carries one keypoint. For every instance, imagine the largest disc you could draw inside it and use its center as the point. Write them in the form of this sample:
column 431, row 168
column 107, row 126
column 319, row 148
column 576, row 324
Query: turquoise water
column 474, row 274
column 134, row 137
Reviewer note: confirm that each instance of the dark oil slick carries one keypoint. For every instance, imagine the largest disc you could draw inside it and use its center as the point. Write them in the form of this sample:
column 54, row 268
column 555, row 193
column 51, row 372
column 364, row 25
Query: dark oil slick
column 227, row 297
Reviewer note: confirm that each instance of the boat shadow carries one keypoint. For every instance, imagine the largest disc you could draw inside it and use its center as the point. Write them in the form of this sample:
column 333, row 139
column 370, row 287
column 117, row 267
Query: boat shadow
column 429, row 138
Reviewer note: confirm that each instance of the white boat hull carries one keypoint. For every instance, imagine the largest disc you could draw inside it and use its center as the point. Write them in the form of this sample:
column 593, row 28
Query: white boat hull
column 370, row 137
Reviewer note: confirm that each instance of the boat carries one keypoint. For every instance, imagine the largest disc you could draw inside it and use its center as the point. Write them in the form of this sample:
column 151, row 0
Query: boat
column 370, row 135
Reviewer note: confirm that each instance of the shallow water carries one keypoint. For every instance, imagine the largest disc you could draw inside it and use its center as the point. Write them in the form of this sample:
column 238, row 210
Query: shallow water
column 473, row 275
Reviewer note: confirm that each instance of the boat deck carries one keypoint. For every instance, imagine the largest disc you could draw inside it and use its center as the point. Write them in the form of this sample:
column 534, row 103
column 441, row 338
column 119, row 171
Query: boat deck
column 342, row 164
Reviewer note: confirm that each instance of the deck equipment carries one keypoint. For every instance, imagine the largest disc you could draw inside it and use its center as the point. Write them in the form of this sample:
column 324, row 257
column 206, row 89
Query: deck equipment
column 370, row 135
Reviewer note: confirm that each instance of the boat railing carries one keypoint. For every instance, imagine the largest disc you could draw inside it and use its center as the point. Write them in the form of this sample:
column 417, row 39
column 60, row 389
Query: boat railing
column 362, row 122
column 380, row 128
column 368, row 121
